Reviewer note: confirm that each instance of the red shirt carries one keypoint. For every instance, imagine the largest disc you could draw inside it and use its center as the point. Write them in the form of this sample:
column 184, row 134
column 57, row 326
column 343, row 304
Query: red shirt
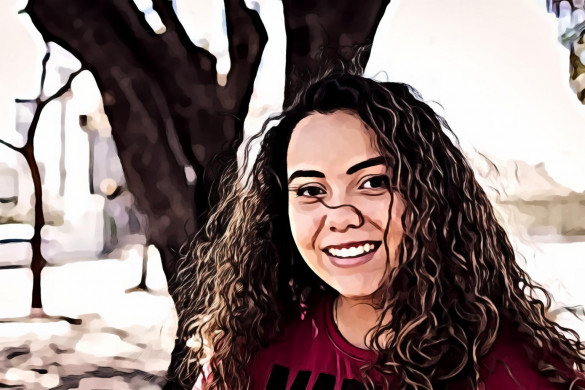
column 312, row 354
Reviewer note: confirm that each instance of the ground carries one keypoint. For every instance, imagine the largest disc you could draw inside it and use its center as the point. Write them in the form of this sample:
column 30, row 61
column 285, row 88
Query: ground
column 126, row 335
column 124, row 340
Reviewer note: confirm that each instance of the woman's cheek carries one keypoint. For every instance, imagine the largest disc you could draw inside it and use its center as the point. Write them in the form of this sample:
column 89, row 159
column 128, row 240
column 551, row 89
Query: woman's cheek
column 376, row 210
column 304, row 223
column 396, row 230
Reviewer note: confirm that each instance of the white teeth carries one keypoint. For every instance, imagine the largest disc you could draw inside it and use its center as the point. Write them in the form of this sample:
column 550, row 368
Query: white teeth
column 351, row 252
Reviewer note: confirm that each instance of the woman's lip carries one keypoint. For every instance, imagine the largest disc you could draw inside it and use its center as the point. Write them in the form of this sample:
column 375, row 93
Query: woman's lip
column 348, row 262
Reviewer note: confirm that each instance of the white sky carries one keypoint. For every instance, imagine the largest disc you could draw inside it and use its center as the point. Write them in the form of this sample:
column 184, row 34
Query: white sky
column 496, row 67
column 498, row 70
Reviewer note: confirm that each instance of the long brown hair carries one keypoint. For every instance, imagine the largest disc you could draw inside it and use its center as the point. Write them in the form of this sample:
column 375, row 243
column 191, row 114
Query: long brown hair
column 457, row 278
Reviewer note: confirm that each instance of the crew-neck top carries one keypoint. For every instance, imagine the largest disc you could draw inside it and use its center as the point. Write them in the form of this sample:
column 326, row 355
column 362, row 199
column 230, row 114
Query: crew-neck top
column 311, row 354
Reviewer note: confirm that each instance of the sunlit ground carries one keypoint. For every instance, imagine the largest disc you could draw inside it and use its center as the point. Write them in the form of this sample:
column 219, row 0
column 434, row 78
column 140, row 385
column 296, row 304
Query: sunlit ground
column 125, row 338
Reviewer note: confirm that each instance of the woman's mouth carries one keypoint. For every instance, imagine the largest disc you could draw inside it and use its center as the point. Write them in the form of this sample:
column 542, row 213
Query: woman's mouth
column 352, row 254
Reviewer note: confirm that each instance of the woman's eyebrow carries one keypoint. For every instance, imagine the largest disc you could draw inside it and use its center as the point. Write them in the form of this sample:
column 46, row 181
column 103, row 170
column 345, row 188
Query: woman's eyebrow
column 353, row 169
column 365, row 164
column 305, row 174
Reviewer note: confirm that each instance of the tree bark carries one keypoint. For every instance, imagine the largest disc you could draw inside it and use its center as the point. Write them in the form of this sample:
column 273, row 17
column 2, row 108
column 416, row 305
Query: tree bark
column 319, row 32
column 161, row 96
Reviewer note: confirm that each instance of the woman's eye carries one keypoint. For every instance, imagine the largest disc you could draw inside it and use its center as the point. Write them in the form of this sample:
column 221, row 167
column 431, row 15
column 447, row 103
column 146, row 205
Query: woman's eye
column 310, row 191
column 376, row 182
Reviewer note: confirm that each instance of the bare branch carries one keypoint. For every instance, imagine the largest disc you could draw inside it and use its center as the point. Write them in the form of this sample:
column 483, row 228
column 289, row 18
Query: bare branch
column 10, row 146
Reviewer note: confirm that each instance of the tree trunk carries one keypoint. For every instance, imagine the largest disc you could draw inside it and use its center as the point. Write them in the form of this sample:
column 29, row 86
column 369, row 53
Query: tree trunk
column 161, row 96
column 323, row 31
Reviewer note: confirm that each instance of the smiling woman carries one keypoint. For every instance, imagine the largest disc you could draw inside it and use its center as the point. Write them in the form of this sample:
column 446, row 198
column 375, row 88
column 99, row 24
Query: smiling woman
column 360, row 252
column 339, row 198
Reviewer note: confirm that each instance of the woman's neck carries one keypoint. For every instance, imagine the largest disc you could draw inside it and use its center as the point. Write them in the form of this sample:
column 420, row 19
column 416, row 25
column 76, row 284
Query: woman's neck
column 355, row 317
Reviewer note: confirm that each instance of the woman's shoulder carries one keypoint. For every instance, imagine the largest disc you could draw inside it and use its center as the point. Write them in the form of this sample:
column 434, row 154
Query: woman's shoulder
column 513, row 363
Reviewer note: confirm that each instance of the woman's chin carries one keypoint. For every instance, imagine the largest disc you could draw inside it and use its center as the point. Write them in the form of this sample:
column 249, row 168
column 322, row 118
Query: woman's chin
column 357, row 292
column 356, row 287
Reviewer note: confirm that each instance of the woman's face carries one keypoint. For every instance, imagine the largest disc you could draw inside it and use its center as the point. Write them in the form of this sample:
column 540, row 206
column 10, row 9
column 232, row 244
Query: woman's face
column 339, row 203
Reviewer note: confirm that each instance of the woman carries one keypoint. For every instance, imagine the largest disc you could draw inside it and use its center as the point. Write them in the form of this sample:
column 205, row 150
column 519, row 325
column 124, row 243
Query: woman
column 361, row 253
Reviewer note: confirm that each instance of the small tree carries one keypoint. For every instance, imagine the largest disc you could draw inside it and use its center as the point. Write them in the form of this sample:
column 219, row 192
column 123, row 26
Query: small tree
column 38, row 262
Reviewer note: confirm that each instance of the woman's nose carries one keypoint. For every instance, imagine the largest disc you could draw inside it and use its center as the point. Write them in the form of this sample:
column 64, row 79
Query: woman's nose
column 343, row 217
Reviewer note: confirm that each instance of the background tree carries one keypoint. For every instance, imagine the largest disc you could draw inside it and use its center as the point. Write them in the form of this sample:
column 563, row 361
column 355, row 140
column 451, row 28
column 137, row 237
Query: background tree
column 571, row 15
column 28, row 152
column 168, row 114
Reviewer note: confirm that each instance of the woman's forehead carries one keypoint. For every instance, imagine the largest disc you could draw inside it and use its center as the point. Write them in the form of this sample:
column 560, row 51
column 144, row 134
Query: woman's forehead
column 339, row 138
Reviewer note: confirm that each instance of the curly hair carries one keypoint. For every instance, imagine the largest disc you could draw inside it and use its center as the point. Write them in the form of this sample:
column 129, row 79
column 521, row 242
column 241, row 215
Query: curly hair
column 456, row 282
